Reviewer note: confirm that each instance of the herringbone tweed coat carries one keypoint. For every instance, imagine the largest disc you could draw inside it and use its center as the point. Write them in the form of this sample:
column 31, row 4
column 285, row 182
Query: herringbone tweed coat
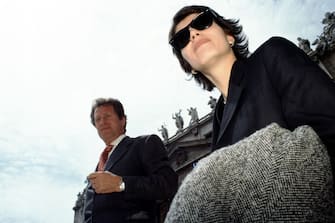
column 274, row 175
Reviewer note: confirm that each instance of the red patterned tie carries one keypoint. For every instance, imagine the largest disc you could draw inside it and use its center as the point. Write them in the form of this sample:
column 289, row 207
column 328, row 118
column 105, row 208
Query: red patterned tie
column 104, row 157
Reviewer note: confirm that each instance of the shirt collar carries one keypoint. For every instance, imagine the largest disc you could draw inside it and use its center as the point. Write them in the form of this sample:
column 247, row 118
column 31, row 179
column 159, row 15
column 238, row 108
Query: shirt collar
column 117, row 140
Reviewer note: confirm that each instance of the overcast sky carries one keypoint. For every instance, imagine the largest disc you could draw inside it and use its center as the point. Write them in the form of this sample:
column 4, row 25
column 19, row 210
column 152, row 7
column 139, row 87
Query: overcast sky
column 56, row 56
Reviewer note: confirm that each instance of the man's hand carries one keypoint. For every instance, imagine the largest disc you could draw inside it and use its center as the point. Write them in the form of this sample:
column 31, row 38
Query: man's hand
column 105, row 182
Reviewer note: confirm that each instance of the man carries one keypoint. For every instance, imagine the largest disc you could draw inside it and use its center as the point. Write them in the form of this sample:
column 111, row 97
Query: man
column 134, row 176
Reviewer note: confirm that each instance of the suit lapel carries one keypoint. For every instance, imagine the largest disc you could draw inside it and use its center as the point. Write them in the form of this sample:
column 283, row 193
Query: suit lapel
column 229, row 109
column 235, row 90
column 120, row 150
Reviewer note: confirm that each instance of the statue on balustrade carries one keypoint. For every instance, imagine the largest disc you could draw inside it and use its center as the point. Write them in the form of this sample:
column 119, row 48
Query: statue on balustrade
column 179, row 121
column 194, row 115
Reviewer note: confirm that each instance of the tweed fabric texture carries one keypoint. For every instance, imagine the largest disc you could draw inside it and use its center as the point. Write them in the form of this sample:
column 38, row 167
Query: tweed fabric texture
column 274, row 175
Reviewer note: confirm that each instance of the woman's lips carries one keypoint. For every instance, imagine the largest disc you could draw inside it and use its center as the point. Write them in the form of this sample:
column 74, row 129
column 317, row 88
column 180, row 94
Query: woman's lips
column 199, row 43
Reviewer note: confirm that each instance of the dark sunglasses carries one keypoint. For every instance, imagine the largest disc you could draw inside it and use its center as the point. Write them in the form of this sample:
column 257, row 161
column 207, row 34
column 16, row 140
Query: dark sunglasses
column 203, row 21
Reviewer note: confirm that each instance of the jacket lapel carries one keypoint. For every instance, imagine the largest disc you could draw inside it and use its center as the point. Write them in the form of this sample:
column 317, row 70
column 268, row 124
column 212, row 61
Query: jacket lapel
column 235, row 90
column 229, row 109
column 120, row 150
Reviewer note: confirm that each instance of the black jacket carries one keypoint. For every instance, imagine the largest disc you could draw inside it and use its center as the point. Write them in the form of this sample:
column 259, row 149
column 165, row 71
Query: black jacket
column 143, row 164
column 277, row 83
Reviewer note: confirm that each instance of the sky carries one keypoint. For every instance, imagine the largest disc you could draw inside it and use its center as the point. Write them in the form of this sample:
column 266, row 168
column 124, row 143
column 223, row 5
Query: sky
column 57, row 56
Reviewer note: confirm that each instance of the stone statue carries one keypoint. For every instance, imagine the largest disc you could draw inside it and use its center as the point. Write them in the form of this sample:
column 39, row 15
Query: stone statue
column 305, row 45
column 326, row 41
column 329, row 18
column 179, row 121
column 164, row 133
column 329, row 29
column 194, row 115
column 321, row 45
column 212, row 102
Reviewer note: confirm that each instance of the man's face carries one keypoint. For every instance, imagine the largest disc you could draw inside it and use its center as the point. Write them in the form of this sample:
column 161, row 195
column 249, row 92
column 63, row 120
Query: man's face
column 108, row 124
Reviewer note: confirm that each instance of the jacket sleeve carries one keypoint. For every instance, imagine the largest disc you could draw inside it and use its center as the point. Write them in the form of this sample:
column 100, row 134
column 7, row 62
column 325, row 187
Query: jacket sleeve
column 306, row 92
column 160, row 181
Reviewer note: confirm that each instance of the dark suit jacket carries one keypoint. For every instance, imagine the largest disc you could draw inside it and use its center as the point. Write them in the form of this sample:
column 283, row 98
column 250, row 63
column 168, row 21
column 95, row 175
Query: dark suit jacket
column 277, row 83
column 143, row 164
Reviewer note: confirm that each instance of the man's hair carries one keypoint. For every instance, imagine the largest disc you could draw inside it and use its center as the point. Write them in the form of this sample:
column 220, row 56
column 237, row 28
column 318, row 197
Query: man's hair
column 115, row 103
column 229, row 26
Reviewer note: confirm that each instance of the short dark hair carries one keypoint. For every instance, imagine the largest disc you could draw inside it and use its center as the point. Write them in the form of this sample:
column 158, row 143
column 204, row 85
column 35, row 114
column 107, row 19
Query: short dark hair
column 229, row 26
column 115, row 103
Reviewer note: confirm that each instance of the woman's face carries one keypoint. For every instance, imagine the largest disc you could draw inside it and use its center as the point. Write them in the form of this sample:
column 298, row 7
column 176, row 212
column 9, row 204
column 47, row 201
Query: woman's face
column 206, row 46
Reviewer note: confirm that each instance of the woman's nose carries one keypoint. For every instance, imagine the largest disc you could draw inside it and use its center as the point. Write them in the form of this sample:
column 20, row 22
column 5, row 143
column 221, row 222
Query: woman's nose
column 193, row 33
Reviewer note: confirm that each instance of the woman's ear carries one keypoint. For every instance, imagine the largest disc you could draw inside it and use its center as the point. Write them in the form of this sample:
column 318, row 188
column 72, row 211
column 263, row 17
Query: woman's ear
column 231, row 40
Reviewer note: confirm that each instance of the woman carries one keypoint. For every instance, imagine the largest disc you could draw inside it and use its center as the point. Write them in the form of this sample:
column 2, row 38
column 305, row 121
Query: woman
column 277, row 83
